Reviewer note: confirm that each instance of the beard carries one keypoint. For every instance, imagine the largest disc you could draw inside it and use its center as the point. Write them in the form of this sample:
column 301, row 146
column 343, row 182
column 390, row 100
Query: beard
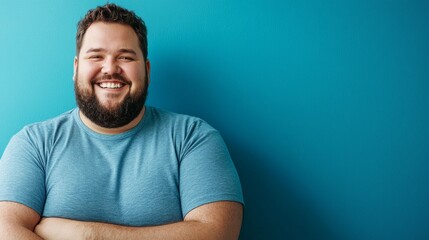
column 110, row 116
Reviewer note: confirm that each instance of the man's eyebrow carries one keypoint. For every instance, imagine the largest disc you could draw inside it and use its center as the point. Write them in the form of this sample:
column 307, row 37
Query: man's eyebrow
column 122, row 50
column 126, row 50
column 95, row 50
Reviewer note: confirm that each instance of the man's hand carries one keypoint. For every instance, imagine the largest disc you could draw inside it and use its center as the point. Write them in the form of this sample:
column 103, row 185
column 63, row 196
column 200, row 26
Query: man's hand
column 60, row 229
column 218, row 220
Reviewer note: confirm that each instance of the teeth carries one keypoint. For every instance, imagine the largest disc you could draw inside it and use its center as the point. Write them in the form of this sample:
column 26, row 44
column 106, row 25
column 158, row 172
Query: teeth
column 110, row 85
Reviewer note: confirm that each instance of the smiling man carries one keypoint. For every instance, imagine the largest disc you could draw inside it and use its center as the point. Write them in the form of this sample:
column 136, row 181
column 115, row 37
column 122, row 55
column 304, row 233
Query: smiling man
column 112, row 77
column 114, row 168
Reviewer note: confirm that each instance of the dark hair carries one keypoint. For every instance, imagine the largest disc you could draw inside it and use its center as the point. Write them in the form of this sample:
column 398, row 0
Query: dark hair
column 111, row 13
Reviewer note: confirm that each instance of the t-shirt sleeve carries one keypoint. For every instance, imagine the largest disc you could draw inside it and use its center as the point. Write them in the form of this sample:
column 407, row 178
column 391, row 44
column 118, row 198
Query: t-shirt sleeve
column 22, row 177
column 207, row 173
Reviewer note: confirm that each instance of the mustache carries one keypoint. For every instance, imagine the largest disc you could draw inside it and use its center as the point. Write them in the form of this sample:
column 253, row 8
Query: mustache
column 115, row 76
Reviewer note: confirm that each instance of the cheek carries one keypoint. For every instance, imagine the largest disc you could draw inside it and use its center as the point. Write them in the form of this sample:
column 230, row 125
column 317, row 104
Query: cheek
column 86, row 72
column 136, row 76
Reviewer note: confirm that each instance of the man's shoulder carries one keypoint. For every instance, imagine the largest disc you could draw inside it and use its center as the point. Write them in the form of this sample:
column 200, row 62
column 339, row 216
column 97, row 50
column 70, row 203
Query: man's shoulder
column 49, row 125
column 179, row 123
column 166, row 116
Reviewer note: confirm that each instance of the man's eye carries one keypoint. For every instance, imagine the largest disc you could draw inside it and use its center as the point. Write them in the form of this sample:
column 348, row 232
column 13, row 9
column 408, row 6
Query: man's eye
column 95, row 57
column 126, row 58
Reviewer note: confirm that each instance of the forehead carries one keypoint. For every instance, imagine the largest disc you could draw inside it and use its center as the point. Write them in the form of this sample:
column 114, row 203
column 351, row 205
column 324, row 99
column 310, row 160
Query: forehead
column 111, row 37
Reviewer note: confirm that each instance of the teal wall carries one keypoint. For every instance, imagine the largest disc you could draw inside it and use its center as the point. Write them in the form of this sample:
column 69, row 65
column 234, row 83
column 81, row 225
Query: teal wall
column 324, row 105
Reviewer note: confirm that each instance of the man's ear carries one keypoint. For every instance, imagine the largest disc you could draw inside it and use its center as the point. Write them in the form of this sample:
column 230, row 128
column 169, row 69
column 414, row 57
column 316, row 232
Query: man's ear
column 148, row 70
column 75, row 63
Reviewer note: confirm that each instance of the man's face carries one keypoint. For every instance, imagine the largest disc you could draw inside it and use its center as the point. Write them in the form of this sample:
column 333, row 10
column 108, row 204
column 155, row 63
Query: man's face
column 111, row 75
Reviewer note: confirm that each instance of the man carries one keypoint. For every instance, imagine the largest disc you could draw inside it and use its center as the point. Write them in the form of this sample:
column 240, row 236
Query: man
column 114, row 168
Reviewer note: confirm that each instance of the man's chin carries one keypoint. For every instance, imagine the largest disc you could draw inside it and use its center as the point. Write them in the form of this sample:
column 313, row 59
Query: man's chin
column 110, row 104
column 110, row 110
column 110, row 107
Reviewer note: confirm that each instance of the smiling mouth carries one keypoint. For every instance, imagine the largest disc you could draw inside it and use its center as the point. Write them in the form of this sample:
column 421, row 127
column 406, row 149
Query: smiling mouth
column 110, row 85
column 113, row 81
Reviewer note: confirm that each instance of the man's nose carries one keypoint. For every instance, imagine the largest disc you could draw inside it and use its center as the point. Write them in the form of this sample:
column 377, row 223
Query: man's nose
column 110, row 66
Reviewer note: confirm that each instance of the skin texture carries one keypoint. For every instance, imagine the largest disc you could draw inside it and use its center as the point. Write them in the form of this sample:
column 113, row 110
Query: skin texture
column 219, row 220
column 110, row 48
column 17, row 221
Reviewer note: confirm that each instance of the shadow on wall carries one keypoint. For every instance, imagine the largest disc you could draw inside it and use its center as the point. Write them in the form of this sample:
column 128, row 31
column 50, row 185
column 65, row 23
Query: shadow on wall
column 273, row 207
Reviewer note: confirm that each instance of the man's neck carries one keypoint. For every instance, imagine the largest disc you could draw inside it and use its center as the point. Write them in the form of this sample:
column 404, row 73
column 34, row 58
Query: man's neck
column 103, row 130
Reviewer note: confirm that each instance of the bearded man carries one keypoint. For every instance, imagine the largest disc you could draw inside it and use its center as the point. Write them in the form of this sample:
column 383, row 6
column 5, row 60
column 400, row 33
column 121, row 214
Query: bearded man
column 114, row 168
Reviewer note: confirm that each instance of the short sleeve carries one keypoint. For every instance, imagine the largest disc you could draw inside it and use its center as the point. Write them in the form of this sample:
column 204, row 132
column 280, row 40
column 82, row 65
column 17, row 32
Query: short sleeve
column 207, row 173
column 22, row 177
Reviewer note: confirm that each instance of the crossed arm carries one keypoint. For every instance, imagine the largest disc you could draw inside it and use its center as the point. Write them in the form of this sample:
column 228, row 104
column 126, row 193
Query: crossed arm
column 218, row 220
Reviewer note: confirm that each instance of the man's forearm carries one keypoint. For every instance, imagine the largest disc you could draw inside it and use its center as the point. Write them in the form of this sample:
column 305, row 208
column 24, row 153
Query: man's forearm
column 220, row 221
column 9, row 231
column 176, row 231
column 17, row 221
column 77, row 230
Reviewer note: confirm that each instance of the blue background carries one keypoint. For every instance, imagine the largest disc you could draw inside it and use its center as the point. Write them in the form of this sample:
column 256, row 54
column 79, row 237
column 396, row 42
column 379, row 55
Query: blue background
column 324, row 105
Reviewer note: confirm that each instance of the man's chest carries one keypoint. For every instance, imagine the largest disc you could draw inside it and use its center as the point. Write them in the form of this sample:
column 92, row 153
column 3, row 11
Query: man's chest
column 134, row 187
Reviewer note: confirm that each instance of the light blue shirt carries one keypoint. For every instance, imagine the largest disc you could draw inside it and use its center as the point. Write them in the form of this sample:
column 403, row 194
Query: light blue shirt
column 152, row 174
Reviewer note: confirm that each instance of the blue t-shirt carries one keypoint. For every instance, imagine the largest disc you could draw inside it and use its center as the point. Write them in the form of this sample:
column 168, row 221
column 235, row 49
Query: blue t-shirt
column 152, row 174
